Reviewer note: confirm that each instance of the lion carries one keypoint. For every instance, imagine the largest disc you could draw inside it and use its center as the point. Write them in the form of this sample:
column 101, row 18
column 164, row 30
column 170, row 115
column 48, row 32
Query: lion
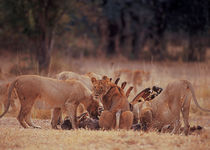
column 4, row 86
column 60, row 95
column 164, row 110
column 134, row 77
column 86, row 80
column 116, row 112
column 92, row 74
column 68, row 75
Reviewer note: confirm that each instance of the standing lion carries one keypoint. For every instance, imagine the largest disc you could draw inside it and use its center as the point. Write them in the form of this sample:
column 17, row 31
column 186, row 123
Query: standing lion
column 59, row 95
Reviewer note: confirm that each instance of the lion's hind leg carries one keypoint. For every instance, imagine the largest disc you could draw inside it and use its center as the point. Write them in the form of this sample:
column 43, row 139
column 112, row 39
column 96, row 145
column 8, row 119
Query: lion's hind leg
column 185, row 113
column 176, row 125
column 29, row 122
column 21, row 118
column 146, row 119
column 126, row 120
column 24, row 116
column 56, row 116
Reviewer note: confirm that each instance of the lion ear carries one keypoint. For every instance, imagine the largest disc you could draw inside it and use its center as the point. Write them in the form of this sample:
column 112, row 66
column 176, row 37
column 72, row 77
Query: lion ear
column 106, row 78
column 93, row 79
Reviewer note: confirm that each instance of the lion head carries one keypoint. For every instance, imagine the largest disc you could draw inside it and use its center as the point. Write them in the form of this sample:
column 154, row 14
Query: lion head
column 100, row 87
column 93, row 109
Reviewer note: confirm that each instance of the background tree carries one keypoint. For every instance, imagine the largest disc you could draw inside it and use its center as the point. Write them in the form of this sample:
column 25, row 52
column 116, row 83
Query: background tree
column 136, row 29
column 37, row 19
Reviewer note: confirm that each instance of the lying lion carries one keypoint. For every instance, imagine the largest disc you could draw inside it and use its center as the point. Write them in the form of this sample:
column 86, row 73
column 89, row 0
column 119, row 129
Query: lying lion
column 165, row 109
column 85, row 79
column 115, row 105
column 60, row 95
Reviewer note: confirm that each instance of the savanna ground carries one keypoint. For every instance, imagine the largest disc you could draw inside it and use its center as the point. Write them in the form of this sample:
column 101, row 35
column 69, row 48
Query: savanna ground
column 13, row 136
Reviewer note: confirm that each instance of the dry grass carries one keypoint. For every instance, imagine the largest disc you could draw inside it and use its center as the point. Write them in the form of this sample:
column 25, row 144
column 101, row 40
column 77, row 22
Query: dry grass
column 13, row 136
column 19, row 138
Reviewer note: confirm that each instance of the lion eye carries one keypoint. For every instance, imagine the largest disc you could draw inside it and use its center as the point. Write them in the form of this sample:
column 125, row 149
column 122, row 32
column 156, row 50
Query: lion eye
column 139, row 100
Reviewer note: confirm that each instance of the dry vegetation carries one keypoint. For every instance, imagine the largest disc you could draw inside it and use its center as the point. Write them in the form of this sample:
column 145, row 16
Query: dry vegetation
column 13, row 136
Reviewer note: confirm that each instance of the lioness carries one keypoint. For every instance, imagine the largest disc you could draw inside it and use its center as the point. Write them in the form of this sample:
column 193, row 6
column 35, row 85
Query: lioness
column 164, row 110
column 86, row 80
column 64, row 95
column 68, row 75
column 92, row 74
column 115, row 103
column 134, row 77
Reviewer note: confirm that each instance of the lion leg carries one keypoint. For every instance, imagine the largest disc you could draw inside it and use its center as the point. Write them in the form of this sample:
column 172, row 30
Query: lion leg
column 185, row 113
column 56, row 114
column 24, row 116
column 71, row 110
column 186, row 122
column 21, row 117
column 29, row 122
column 106, row 120
column 177, row 126
column 27, row 111
column 146, row 120
column 126, row 120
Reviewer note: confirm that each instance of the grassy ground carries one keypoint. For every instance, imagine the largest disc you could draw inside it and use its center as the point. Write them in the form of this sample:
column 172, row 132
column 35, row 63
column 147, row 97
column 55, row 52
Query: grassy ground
column 13, row 136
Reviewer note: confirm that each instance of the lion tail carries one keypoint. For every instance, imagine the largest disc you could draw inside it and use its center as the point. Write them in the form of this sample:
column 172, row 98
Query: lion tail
column 194, row 98
column 11, row 87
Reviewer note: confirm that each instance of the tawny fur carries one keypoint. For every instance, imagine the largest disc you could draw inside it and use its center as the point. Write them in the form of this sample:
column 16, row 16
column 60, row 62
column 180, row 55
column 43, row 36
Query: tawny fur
column 134, row 77
column 68, row 75
column 113, row 100
column 92, row 74
column 86, row 80
column 60, row 95
column 166, row 107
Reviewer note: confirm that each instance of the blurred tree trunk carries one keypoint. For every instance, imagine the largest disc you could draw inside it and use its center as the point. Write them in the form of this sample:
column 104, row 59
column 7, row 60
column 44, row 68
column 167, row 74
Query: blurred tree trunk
column 43, row 53
column 46, row 15
column 112, row 38
column 158, row 28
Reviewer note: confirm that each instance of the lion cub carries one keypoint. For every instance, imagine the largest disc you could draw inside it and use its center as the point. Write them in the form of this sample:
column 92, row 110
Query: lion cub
column 115, row 104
